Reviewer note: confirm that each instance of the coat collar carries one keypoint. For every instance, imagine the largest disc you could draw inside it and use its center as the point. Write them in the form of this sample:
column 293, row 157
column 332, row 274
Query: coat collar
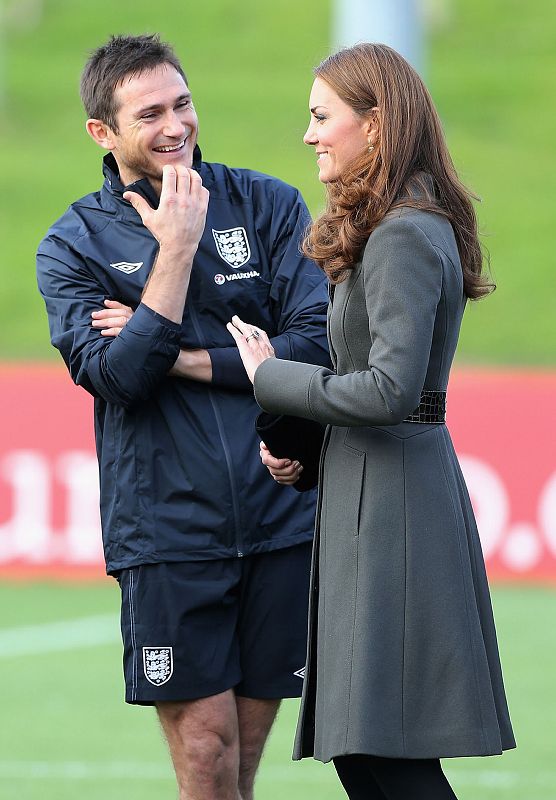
column 114, row 186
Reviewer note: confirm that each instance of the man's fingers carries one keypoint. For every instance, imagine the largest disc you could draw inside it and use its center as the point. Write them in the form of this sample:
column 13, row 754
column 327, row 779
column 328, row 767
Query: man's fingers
column 195, row 181
column 109, row 322
column 111, row 331
column 182, row 181
column 107, row 313
column 117, row 304
column 113, row 318
column 139, row 204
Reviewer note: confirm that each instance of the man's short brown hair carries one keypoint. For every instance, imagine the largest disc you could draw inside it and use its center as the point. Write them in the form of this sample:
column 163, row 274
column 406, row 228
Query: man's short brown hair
column 121, row 57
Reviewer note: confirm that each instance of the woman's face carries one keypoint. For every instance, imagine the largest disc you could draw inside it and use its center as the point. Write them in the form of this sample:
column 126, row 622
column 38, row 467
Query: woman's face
column 336, row 132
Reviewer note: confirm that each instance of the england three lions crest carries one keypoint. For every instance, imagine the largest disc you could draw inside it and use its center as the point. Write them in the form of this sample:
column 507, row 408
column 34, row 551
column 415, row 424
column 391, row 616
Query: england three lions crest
column 158, row 664
column 233, row 246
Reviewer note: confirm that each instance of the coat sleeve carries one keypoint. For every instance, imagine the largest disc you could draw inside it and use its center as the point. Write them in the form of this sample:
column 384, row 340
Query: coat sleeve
column 123, row 370
column 298, row 298
column 402, row 275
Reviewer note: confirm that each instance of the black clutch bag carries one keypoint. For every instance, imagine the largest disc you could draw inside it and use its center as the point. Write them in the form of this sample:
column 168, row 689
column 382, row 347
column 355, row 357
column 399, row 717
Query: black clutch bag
column 295, row 438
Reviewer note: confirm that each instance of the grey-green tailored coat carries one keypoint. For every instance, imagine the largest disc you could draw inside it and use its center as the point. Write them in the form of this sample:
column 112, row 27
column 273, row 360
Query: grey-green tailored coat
column 402, row 656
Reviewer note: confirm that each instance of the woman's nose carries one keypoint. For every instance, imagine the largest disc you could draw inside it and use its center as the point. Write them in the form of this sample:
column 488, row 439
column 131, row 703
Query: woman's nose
column 310, row 137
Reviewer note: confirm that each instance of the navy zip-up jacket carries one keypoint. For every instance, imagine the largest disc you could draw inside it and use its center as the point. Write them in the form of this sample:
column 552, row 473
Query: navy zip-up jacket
column 180, row 473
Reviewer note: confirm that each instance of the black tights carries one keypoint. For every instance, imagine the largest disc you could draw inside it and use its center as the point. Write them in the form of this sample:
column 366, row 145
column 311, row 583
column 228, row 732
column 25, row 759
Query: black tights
column 373, row 778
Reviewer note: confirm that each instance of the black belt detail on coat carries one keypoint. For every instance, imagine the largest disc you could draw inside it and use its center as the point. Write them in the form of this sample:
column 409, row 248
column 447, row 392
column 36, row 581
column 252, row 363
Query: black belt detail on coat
column 431, row 410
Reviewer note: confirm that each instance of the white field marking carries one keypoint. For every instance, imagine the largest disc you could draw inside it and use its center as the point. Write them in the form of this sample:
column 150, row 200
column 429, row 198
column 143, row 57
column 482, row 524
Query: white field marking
column 54, row 636
column 312, row 774
column 488, row 778
column 84, row 770
column 140, row 770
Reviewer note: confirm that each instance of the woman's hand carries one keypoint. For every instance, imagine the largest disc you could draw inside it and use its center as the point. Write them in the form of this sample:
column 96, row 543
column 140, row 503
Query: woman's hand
column 253, row 344
column 113, row 318
column 283, row 470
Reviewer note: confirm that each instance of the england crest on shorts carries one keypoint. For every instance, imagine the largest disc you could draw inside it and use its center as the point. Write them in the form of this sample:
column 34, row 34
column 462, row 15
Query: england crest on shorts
column 232, row 246
column 158, row 664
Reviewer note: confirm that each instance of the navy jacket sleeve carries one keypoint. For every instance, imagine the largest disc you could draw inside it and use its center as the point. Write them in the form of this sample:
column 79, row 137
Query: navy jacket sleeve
column 298, row 294
column 123, row 370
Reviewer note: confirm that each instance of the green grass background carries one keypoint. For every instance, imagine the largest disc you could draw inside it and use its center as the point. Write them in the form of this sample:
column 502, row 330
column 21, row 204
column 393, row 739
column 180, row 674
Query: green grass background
column 67, row 733
column 490, row 67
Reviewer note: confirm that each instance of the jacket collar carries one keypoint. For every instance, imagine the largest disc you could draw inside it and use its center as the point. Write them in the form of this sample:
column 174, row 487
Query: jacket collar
column 116, row 188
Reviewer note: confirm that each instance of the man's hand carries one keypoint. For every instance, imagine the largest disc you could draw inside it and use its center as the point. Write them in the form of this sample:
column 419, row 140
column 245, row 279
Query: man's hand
column 283, row 470
column 253, row 345
column 177, row 224
column 193, row 364
column 111, row 319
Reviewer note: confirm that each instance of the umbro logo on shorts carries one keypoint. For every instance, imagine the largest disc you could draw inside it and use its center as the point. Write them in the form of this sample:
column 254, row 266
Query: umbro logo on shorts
column 158, row 664
column 300, row 673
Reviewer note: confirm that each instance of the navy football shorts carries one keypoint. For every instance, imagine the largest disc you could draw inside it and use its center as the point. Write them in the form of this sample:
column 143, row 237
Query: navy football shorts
column 197, row 628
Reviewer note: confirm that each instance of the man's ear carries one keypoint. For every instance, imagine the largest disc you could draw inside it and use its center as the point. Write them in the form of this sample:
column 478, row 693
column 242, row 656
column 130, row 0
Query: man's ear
column 101, row 133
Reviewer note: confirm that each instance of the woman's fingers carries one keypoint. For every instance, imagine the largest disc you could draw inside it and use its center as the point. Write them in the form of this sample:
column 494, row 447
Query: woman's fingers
column 236, row 333
column 271, row 461
column 253, row 344
column 283, row 470
column 241, row 326
column 287, row 479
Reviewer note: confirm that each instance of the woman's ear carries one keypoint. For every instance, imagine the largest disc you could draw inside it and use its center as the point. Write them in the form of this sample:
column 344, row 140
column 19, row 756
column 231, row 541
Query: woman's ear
column 373, row 126
column 101, row 133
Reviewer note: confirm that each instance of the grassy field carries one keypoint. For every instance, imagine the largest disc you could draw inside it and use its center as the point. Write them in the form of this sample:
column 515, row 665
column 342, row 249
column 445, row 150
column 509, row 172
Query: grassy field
column 490, row 69
column 67, row 733
column 65, row 730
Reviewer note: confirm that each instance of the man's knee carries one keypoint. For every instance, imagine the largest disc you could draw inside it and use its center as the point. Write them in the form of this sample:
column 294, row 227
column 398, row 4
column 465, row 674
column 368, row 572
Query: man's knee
column 211, row 752
column 203, row 737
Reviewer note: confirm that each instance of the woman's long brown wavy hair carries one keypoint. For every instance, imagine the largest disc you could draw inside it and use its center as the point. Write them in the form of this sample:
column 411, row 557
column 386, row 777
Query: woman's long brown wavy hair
column 410, row 166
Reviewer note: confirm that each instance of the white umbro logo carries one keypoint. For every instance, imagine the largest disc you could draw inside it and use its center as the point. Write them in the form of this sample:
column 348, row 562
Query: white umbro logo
column 300, row 673
column 127, row 266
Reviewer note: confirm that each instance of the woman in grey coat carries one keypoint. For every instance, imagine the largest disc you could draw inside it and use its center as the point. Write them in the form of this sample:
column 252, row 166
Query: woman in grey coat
column 403, row 666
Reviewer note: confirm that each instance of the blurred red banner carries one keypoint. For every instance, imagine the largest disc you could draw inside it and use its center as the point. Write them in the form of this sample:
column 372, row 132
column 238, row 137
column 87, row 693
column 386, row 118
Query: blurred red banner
column 501, row 423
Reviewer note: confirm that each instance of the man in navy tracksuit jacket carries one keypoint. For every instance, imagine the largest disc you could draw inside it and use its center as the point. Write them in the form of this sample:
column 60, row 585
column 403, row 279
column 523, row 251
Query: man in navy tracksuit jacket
column 139, row 281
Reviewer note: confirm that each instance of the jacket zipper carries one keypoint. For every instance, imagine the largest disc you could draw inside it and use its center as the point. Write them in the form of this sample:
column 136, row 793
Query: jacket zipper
column 224, row 442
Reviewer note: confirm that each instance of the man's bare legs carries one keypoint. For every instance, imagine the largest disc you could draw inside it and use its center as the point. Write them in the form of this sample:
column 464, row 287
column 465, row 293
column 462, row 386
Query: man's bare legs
column 255, row 718
column 216, row 744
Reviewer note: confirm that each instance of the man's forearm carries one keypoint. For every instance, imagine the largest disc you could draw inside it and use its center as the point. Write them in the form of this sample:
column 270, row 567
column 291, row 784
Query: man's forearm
column 177, row 224
column 168, row 283
column 193, row 364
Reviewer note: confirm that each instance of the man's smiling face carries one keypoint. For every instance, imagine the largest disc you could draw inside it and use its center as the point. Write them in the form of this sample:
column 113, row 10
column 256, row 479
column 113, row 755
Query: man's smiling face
column 157, row 125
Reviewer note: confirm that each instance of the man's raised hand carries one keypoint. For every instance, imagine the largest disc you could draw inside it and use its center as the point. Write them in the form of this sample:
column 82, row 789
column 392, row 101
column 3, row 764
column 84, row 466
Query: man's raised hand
column 178, row 222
